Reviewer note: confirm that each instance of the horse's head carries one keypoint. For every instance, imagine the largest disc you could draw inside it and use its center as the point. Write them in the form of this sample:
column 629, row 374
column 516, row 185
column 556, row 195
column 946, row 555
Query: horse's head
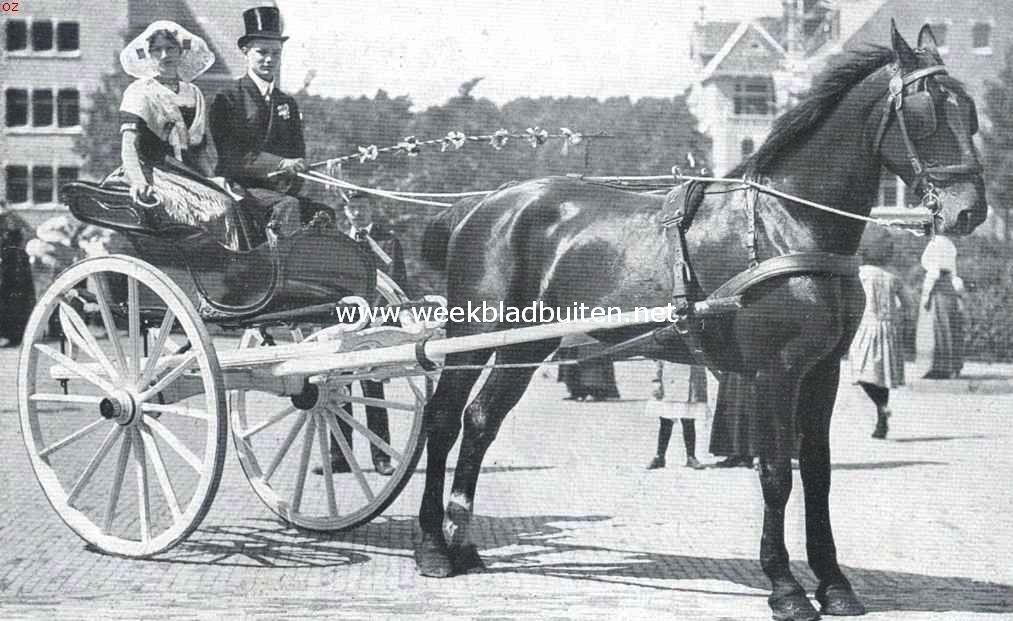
column 924, row 135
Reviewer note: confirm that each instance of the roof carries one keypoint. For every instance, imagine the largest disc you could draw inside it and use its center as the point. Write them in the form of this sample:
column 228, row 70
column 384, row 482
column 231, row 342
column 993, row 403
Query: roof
column 709, row 37
column 738, row 55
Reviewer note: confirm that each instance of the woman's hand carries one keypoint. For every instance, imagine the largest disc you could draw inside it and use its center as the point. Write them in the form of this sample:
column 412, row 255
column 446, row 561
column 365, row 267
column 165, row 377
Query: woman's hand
column 141, row 192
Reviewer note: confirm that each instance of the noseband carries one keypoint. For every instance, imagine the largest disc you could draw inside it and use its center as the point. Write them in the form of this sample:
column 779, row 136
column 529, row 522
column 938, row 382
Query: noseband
column 924, row 175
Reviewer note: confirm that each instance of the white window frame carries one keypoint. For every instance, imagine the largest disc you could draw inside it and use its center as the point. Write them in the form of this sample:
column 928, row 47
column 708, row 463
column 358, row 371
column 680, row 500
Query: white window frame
column 985, row 50
column 944, row 49
column 50, row 53
column 54, row 127
column 55, row 166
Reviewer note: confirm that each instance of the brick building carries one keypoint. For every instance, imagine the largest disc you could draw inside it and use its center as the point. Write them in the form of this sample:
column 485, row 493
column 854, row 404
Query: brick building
column 53, row 55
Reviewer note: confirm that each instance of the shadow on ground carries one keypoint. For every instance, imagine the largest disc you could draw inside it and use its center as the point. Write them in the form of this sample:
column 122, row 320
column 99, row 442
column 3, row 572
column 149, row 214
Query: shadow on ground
column 545, row 545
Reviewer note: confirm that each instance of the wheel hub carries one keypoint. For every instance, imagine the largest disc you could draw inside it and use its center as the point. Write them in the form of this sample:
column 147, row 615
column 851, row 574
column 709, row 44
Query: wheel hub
column 119, row 407
column 307, row 399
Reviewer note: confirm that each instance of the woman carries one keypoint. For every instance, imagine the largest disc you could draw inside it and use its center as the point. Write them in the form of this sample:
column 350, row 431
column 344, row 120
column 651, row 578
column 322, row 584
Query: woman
column 876, row 357
column 164, row 132
column 594, row 380
column 940, row 325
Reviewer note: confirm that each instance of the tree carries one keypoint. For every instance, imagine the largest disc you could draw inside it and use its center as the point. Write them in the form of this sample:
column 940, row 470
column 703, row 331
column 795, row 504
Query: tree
column 998, row 141
column 99, row 141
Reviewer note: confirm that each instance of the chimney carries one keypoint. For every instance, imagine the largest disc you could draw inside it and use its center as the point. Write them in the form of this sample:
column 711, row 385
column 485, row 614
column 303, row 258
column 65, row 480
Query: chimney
column 702, row 19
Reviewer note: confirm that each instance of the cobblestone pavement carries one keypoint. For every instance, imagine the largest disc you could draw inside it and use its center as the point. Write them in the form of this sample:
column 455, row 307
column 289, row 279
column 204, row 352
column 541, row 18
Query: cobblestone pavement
column 572, row 526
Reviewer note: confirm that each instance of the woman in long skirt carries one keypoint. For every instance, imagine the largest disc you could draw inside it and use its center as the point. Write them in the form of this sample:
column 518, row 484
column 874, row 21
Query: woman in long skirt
column 940, row 336
column 876, row 357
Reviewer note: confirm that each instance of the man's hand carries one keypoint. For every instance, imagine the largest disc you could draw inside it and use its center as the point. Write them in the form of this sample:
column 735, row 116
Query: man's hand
column 292, row 166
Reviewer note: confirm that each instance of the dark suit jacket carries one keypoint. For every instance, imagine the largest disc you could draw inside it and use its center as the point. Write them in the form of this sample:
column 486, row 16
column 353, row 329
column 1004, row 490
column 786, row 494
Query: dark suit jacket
column 252, row 137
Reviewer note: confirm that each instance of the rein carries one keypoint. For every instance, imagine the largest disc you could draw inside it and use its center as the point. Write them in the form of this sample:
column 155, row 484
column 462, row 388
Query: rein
column 917, row 229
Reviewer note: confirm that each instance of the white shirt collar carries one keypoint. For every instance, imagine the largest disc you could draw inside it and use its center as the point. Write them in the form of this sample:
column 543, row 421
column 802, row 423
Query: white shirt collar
column 263, row 85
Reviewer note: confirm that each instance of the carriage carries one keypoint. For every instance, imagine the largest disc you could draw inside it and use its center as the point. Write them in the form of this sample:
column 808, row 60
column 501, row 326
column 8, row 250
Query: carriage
column 764, row 286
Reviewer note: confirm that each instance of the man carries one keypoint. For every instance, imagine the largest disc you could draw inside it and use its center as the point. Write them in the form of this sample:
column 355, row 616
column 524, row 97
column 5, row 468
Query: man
column 381, row 242
column 257, row 128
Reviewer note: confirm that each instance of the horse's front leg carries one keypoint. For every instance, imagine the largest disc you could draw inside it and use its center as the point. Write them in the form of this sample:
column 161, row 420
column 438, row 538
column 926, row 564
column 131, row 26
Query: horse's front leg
column 787, row 598
column 816, row 404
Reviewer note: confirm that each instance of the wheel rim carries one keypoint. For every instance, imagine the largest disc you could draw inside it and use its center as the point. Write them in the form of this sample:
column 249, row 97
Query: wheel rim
column 278, row 444
column 129, row 448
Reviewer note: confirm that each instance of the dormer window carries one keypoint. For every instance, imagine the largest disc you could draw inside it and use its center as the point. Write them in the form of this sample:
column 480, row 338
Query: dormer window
column 754, row 98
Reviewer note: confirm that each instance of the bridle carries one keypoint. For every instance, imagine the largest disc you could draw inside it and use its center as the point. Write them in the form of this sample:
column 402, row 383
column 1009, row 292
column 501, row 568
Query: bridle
column 925, row 175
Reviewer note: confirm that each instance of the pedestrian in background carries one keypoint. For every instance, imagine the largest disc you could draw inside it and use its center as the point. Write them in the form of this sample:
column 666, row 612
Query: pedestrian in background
column 876, row 357
column 940, row 333
column 17, row 289
column 666, row 405
column 594, row 380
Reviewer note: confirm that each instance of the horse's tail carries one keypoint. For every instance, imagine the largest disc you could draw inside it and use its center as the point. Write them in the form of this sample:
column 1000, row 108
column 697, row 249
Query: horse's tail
column 436, row 236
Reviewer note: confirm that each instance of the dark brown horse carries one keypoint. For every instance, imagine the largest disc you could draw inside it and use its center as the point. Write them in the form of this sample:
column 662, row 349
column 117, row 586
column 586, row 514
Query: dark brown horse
column 561, row 241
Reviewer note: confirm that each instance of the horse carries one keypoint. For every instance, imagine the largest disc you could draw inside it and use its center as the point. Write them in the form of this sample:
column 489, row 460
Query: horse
column 562, row 241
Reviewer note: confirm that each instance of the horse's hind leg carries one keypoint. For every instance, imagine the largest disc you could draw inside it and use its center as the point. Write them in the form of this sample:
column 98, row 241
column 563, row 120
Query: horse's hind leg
column 816, row 404
column 442, row 418
column 787, row 599
column 482, row 420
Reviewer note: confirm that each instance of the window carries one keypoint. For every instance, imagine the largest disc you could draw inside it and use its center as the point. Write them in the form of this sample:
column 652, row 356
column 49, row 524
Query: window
column 65, row 175
column 42, row 36
column 981, row 38
column 17, row 35
column 17, row 107
column 890, row 190
column 42, row 108
column 42, row 184
column 68, row 37
column 68, row 108
column 747, row 147
column 754, row 98
column 45, row 108
column 940, row 30
column 17, row 184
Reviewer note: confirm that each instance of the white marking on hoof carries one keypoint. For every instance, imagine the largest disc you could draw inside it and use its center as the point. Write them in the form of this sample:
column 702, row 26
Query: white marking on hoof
column 456, row 520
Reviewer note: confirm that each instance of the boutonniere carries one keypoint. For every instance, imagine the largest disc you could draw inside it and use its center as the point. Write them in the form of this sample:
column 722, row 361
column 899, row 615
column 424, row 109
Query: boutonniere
column 284, row 112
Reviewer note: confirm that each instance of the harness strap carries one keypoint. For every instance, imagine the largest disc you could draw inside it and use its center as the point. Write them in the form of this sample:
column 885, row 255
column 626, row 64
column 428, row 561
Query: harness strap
column 788, row 265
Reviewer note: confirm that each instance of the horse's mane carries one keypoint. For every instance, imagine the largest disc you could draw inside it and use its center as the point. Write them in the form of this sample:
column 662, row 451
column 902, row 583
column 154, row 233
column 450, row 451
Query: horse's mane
column 826, row 92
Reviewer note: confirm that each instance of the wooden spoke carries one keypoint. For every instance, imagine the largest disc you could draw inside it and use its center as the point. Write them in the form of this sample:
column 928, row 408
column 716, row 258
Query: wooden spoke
column 156, row 351
column 114, row 492
column 94, row 463
column 169, row 377
column 175, row 443
column 134, row 327
column 62, row 398
column 346, row 450
column 151, row 448
column 363, row 429
column 285, row 445
column 304, row 462
column 79, row 332
column 76, row 367
column 143, row 500
column 325, row 462
column 374, row 402
column 177, row 409
column 77, row 435
column 267, row 423
column 107, row 319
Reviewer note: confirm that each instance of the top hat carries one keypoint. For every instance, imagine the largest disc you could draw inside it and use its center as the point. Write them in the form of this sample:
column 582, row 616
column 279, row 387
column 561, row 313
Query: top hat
column 263, row 22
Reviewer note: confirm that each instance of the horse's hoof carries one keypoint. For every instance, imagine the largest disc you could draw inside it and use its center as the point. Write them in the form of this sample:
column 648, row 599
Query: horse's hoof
column 792, row 606
column 432, row 557
column 840, row 601
column 466, row 558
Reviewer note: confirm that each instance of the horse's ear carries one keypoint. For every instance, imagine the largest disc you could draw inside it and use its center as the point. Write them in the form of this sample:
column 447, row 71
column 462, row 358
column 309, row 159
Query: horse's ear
column 902, row 51
column 927, row 40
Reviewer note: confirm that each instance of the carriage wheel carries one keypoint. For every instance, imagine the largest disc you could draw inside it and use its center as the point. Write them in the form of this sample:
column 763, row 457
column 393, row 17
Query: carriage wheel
column 278, row 442
column 126, row 436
